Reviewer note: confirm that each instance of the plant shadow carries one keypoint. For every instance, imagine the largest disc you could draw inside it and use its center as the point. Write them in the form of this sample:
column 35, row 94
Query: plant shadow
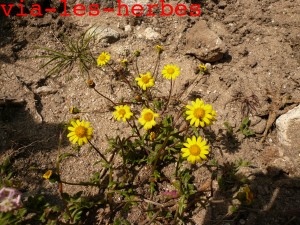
column 26, row 143
column 276, row 199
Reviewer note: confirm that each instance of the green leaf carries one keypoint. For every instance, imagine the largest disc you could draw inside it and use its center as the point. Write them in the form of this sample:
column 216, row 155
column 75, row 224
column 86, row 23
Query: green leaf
column 64, row 156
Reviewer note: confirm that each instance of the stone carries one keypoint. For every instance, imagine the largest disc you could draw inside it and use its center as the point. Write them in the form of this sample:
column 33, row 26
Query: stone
column 45, row 90
column 106, row 34
column 151, row 34
column 259, row 128
column 204, row 43
column 128, row 28
column 287, row 126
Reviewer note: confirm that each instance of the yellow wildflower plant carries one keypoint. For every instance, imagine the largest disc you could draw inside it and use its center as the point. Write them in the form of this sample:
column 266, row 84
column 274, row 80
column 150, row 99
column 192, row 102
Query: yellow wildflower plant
column 103, row 59
column 147, row 118
column 195, row 150
column 170, row 72
column 200, row 113
column 202, row 68
column 159, row 49
column 137, row 53
column 122, row 112
column 124, row 62
column 152, row 136
column 80, row 132
column 74, row 110
column 249, row 195
column 47, row 175
column 145, row 81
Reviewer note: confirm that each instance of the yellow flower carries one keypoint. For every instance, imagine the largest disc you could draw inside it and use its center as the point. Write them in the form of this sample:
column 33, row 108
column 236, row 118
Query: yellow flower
column 124, row 62
column 152, row 136
column 171, row 72
column 90, row 83
column 80, row 132
column 147, row 118
column 47, row 175
column 137, row 53
column 74, row 110
column 103, row 59
column 145, row 80
column 202, row 68
column 249, row 195
column 122, row 112
column 196, row 150
column 159, row 49
column 200, row 113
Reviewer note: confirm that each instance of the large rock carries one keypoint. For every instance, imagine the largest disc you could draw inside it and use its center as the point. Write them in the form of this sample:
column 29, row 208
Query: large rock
column 204, row 43
column 287, row 126
column 151, row 34
column 106, row 34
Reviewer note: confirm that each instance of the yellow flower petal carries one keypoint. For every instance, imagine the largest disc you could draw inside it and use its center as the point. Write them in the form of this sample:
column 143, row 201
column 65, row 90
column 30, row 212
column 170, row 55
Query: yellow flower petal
column 196, row 149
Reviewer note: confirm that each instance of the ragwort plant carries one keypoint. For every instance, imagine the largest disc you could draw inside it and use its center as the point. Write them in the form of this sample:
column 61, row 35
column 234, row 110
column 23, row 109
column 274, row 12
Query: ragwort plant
column 165, row 131
column 161, row 134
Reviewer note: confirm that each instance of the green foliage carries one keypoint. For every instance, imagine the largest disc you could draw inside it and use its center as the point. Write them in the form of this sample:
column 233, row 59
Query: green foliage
column 77, row 205
column 229, row 176
column 6, row 173
column 244, row 128
column 75, row 52
column 229, row 128
column 15, row 217
column 133, row 166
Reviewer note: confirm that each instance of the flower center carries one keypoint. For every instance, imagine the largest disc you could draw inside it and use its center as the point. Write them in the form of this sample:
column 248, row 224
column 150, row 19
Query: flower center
column 102, row 57
column 195, row 150
column 80, row 131
column 148, row 116
column 122, row 112
column 170, row 70
column 199, row 113
column 145, row 79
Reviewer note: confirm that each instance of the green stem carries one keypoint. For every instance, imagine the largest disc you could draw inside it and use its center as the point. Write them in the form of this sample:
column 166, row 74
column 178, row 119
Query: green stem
column 60, row 186
column 80, row 183
column 136, row 66
column 177, row 165
column 160, row 151
column 97, row 150
column 156, row 66
column 168, row 101
column 104, row 97
column 134, row 127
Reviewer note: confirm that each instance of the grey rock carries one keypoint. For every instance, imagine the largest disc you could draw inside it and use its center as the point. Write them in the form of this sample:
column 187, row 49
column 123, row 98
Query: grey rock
column 259, row 127
column 203, row 43
column 287, row 126
column 222, row 4
column 128, row 28
column 45, row 90
column 151, row 34
column 105, row 34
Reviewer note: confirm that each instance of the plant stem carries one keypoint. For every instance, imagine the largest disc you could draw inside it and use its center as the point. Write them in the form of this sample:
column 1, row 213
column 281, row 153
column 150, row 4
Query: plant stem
column 156, row 66
column 160, row 150
column 80, row 183
column 60, row 186
column 136, row 66
column 97, row 150
column 134, row 127
column 104, row 97
column 177, row 165
column 170, row 92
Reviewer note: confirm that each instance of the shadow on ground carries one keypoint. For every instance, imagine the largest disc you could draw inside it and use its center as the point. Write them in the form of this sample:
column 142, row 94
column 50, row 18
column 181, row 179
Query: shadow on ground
column 276, row 202
column 26, row 143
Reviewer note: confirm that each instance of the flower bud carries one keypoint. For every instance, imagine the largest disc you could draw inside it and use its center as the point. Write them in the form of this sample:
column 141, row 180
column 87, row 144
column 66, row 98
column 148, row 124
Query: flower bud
column 90, row 83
